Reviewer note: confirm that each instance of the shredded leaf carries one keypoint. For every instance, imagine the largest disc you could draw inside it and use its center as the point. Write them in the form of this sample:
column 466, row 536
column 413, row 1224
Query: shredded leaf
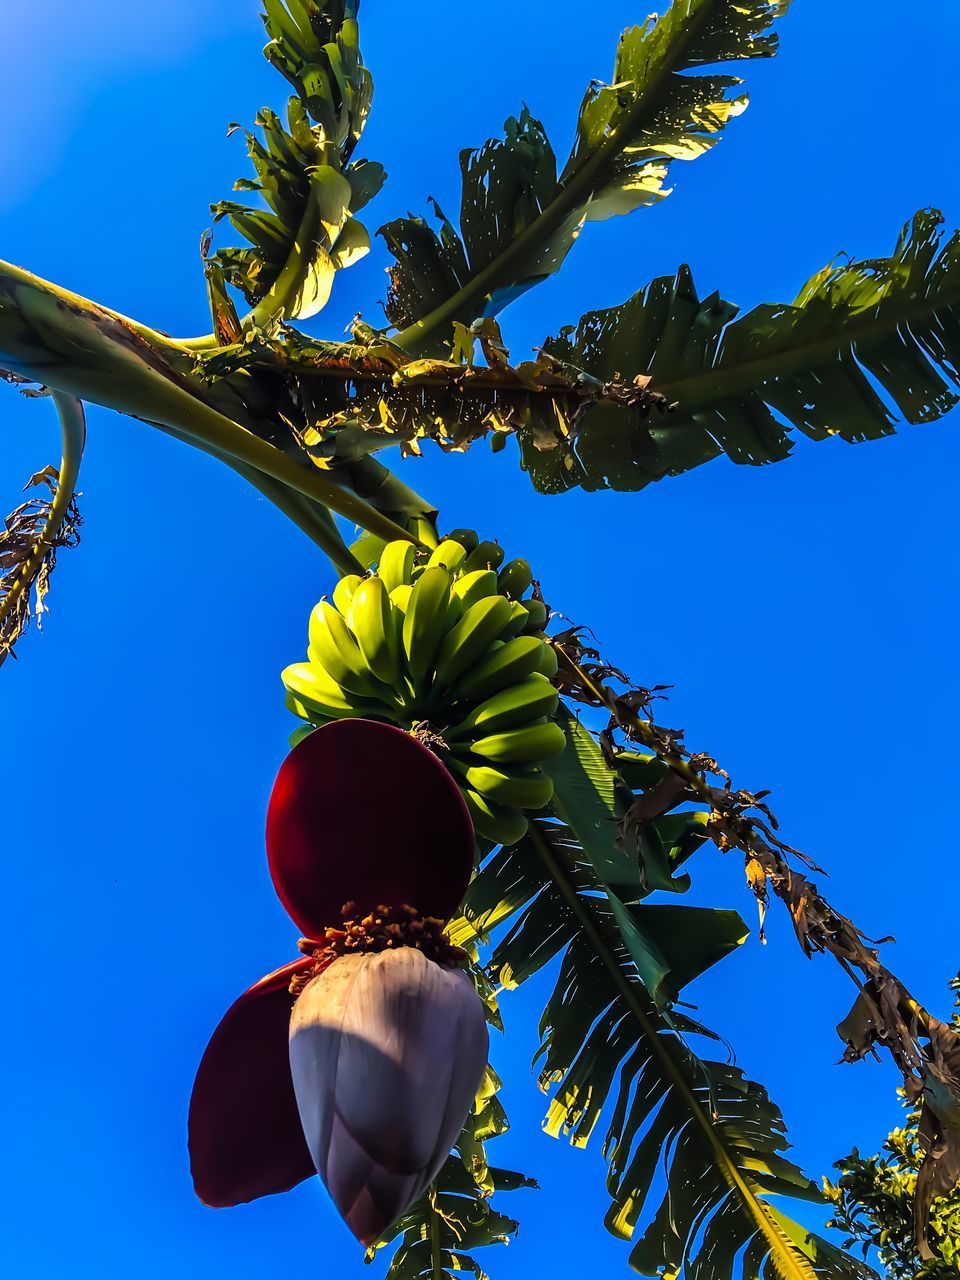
column 519, row 218
column 864, row 345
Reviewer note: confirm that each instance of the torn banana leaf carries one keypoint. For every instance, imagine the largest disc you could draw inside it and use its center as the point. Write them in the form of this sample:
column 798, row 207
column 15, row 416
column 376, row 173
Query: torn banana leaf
column 519, row 218
column 865, row 345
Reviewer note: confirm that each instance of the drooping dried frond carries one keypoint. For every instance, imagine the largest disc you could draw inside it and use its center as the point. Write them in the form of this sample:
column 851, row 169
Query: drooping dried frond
column 885, row 1014
column 519, row 217
column 875, row 1197
column 35, row 531
column 613, row 1046
column 864, row 345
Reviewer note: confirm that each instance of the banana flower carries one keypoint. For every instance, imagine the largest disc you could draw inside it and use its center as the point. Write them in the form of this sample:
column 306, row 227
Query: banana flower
column 361, row 1059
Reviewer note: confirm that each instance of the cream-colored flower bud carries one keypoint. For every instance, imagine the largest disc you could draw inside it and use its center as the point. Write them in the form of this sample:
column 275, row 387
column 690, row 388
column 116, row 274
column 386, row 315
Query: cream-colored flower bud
column 387, row 1051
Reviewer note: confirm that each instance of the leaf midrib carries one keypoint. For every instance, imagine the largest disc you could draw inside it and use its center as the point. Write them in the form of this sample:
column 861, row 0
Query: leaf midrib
column 782, row 1255
column 723, row 383
column 571, row 194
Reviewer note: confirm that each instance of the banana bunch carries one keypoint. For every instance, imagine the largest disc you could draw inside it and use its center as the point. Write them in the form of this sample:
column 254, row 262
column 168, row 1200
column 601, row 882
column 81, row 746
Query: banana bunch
column 444, row 645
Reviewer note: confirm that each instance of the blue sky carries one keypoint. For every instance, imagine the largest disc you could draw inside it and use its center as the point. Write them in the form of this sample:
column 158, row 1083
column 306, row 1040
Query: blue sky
column 804, row 612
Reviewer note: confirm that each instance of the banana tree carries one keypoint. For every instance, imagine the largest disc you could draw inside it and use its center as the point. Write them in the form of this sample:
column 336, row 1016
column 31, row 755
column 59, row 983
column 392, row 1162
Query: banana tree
column 584, row 808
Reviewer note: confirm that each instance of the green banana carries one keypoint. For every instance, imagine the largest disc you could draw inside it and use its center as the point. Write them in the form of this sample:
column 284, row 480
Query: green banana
column 312, row 695
column 515, row 578
column 441, row 632
column 333, row 645
column 471, row 587
column 374, row 623
column 470, row 638
column 486, row 555
column 510, row 708
column 424, row 530
column 503, row 666
column 528, row 789
column 423, row 623
column 449, row 554
column 344, row 590
column 466, row 537
column 549, row 664
column 400, row 596
column 534, row 742
column 518, row 620
column 537, row 615
column 396, row 564
column 499, row 823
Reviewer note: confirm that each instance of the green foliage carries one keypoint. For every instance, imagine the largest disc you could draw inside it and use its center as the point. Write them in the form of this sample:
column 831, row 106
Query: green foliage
column 874, row 1198
column 568, row 891
column 863, row 345
column 519, row 217
column 654, row 387
column 440, row 1233
column 303, row 169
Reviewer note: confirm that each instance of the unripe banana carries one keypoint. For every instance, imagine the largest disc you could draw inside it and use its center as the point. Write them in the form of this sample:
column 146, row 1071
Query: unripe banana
column 423, row 529
column 437, row 636
column 514, row 661
column 515, row 578
column 517, row 705
column 486, row 555
column 313, row 696
column 549, row 664
column 400, row 596
column 396, row 564
column 343, row 592
column 449, row 554
column 374, row 623
column 518, row 620
column 537, row 614
column 529, row 745
column 332, row 642
column 471, row 587
column 423, row 623
column 466, row 537
column 527, row 789
column 470, row 638
column 499, row 823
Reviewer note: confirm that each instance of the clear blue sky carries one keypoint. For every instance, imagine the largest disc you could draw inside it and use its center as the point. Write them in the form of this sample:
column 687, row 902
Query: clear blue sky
column 806, row 612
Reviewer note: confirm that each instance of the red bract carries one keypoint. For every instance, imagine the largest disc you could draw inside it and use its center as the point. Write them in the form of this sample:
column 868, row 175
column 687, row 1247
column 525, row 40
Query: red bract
column 361, row 813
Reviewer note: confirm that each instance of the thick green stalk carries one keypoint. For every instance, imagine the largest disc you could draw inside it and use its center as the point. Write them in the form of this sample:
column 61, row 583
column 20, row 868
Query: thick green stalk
column 279, row 302
column 76, row 347
column 313, row 520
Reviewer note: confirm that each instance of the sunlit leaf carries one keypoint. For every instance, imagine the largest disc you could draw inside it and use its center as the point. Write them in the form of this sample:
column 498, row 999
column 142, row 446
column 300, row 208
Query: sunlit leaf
column 518, row 217
column 864, row 345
